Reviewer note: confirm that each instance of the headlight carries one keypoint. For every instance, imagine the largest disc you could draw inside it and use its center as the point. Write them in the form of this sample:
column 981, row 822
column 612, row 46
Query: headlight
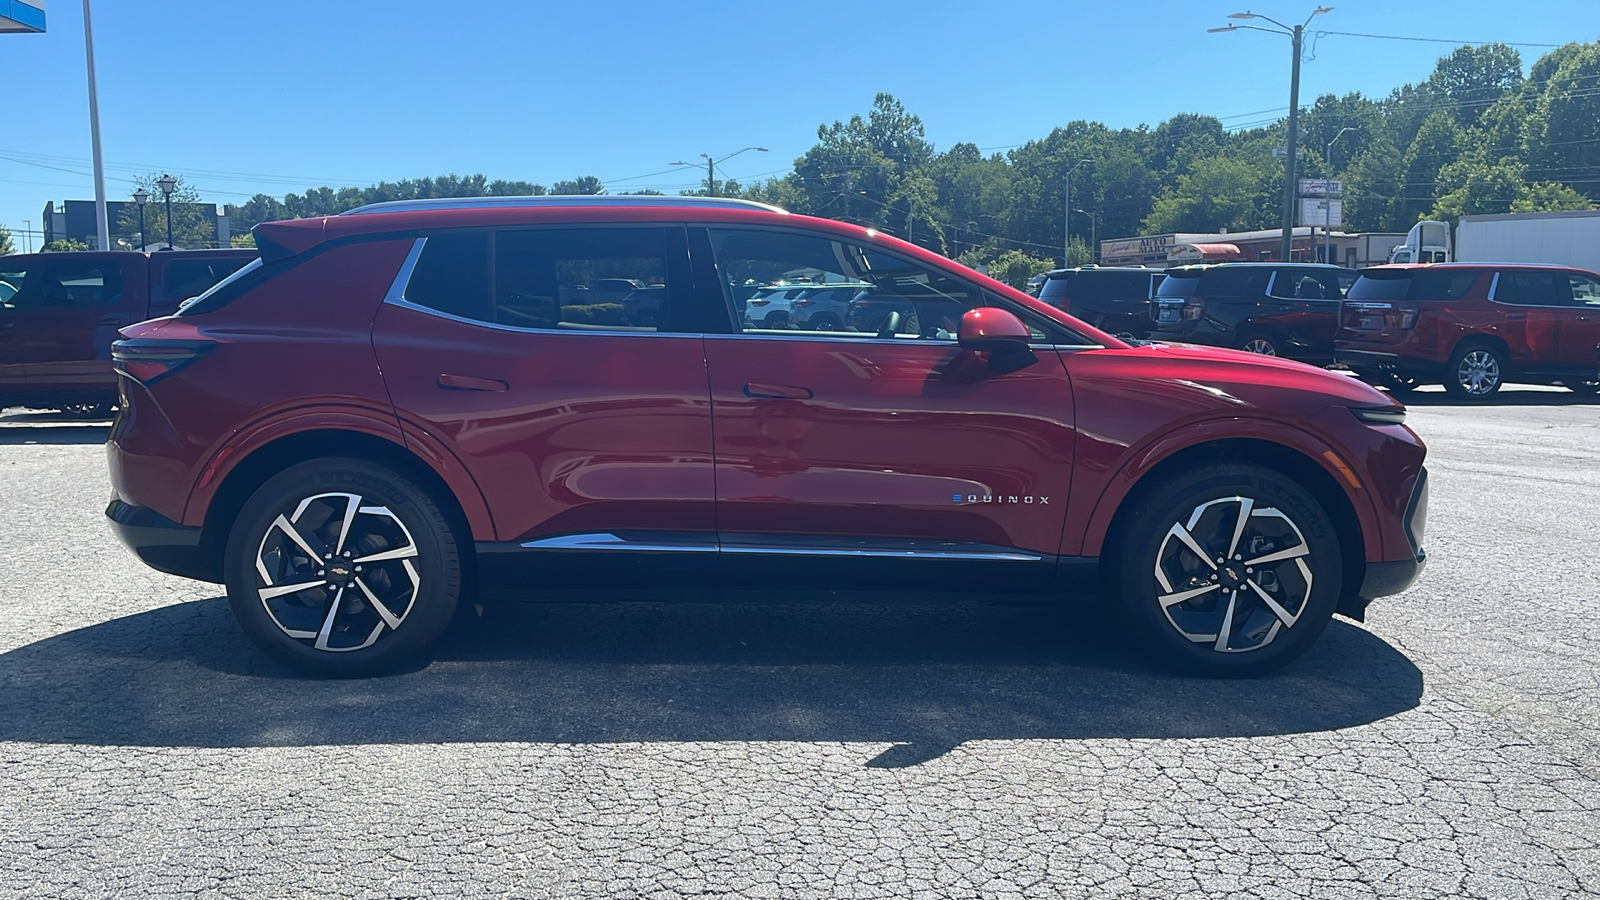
column 1385, row 416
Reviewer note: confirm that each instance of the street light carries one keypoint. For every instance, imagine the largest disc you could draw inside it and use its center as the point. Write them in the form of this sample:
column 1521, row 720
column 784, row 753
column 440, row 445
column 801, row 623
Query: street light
column 711, row 167
column 1296, row 35
column 1066, row 215
column 1327, row 197
column 1094, row 235
column 141, row 197
column 167, row 185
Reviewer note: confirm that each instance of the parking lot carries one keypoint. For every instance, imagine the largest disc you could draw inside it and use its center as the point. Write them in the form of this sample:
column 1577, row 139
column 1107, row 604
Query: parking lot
column 851, row 746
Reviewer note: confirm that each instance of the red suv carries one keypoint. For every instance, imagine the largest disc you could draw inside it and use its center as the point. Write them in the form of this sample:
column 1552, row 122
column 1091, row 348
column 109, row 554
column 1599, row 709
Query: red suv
column 1473, row 327
column 397, row 407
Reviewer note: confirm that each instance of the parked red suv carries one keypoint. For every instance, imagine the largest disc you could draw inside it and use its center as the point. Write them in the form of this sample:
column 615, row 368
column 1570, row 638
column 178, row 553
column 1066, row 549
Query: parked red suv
column 59, row 313
column 402, row 404
column 1473, row 327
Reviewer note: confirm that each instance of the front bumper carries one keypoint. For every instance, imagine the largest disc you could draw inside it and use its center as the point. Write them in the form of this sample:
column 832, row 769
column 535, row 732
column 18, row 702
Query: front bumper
column 1393, row 576
column 161, row 543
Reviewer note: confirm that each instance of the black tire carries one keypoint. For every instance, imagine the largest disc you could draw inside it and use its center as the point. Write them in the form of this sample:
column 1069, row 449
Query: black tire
column 1208, row 498
column 1586, row 388
column 1126, row 328
column 1259, row 343
column 825, row 322
column 1400, row 384
column 419, row 591
column 1476, row 370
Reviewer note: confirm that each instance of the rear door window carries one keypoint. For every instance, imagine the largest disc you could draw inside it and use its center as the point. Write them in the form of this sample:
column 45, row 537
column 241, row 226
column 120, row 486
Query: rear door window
column 584, row 279
column 63, row 284
column 1534, row 289
column 1236, row 281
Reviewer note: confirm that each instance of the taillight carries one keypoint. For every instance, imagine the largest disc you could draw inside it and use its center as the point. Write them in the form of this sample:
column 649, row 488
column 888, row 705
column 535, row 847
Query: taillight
column 1064, row 303
column 802, row 304
column 148, row 360
column 1194, row 310
column 1402, row 316
column 755, row 302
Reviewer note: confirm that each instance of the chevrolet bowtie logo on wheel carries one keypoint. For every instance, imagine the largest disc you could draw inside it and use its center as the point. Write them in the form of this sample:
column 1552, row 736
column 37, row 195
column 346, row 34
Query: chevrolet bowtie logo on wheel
column 1035, row 499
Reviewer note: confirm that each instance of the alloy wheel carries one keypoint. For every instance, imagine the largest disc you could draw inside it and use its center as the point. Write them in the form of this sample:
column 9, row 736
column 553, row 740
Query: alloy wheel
column 1261, row 346
column 1233, row 574
column 1478, row 373
column 338, row 573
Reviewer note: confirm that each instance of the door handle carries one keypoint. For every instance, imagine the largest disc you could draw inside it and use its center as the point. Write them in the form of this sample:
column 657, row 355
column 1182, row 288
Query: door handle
column 468, row 383
column 777, row 392
column 1513, row 317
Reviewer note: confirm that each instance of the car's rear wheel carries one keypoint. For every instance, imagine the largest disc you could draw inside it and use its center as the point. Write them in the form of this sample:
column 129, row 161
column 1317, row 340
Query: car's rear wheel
column 1230, row 570
column 826, row 322
column 344, row 568
column 1259, row 343
column 1475, row 371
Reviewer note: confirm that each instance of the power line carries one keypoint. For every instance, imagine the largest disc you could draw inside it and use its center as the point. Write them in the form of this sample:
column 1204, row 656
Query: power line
column 1394, row 37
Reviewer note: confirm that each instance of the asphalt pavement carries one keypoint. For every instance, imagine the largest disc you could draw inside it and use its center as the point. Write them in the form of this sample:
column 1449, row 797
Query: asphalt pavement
column 821, row 745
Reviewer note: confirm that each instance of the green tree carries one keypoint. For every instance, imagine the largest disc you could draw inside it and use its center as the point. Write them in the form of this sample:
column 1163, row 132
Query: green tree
column 244, row 239
column 1219, row 192
column 1472, row 78
column 7, row 247
column 65, row 245
column 1015, row 267
column 587, row 184
column 1563, row 132
column 193, row 224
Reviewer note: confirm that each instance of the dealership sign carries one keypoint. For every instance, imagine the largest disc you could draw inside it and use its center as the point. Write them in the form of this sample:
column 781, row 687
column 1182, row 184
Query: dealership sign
column 1319, row 187
column 17, row 16
column 1321, row 212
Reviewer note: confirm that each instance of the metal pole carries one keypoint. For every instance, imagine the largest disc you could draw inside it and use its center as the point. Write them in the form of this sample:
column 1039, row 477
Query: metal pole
column 102, row 222
column 711, row 177
column 1289, row 162
column 169, row 221
column 1066, row 220
column 1327, row 210
column 27, row 234
column 141, row 226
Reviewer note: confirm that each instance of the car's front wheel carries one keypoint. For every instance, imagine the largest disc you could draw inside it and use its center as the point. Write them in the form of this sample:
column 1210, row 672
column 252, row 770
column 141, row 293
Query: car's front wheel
column 1227, row 570
column 344, row 568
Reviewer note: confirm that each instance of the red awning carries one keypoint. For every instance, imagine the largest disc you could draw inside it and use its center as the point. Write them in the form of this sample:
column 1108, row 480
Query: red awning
column 1217, row 251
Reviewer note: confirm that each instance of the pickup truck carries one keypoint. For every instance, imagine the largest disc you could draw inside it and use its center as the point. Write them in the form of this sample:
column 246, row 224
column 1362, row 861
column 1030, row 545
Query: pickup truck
column 59, row 313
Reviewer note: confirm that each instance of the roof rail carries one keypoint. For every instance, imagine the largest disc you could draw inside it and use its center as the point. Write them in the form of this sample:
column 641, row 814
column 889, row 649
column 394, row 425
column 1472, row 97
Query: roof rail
column 558, row 201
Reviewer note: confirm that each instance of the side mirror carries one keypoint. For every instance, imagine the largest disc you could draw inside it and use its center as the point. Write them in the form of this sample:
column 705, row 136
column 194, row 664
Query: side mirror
column 1000, row 334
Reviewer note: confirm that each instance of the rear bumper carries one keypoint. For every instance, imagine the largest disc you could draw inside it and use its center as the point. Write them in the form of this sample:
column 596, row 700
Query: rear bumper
column 159, row 542
column 1384, row 361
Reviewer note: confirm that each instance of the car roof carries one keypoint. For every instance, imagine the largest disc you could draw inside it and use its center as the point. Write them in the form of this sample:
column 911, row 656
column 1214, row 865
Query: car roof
column 560, row 200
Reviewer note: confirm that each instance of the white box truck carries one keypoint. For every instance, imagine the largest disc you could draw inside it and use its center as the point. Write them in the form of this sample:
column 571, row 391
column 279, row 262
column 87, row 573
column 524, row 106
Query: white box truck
column 1557, row 238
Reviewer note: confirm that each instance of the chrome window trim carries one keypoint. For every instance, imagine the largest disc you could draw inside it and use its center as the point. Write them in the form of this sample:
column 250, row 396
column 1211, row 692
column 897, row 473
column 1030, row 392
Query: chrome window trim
column 402, row 278
column 1494, row 288
column 836, row 337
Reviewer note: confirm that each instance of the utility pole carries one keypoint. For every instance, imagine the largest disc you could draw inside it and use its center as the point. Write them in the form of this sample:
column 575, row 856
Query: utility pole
column 1296, row 35
column 711, row 167
column 102, row 222
column 1066, row 215
column 1289, row 182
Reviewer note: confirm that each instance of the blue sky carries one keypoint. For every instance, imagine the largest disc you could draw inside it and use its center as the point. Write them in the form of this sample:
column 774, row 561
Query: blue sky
column 281, row 95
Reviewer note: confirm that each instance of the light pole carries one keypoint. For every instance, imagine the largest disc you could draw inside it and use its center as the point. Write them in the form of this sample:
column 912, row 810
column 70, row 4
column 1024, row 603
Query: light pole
column 1296, row 35
column 1327, row 197
column 1094, row 235
column 140, row 198
column 102, row 223
column 711, row 167
column 167, row 185
column 1066, row 215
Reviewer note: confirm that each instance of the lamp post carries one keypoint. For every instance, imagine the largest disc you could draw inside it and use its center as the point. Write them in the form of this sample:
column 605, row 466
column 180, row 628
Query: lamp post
column 1094, row 235
column 1296, row 36
column 1066, row 215
column 140, row 198
column 168, row 184
column 1327, row 197
column 102, row 223
column 711, row 167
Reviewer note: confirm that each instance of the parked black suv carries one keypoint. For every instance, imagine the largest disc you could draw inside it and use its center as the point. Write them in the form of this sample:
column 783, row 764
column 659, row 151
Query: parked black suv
column 1111, row 299
column 1276, row 309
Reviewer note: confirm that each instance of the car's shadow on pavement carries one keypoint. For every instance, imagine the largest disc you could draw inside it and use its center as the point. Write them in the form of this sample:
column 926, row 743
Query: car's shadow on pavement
column 1510, row 397
column 92, row 433
column 923, row 676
